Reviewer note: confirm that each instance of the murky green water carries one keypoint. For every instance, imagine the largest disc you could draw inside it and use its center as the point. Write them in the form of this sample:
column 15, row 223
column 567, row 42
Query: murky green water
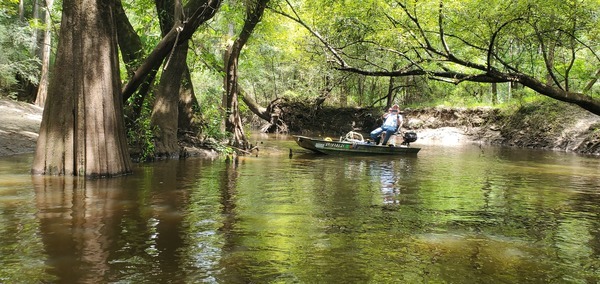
column 448, row 215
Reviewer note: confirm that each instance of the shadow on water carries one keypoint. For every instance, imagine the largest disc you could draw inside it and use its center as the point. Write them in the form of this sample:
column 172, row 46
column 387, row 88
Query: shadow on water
column 448, row 215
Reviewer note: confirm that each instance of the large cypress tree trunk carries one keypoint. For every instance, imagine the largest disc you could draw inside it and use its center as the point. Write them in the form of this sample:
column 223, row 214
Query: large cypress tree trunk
column 82, row 130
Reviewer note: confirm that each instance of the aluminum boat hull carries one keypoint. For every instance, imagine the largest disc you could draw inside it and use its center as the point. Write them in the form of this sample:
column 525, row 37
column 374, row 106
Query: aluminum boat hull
column 347, row 147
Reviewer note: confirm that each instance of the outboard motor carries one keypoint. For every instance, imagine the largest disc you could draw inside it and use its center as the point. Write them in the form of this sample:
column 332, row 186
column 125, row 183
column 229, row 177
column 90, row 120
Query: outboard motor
column 409, row 137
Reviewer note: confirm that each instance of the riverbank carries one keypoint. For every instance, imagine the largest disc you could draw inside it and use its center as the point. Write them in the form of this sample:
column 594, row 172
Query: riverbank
column 551, row 125
column 19, row 126
column 545, row 124
column 542, row 125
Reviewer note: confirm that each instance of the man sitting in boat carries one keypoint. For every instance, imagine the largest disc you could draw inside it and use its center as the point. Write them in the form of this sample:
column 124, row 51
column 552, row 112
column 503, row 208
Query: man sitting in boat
column 392, row 122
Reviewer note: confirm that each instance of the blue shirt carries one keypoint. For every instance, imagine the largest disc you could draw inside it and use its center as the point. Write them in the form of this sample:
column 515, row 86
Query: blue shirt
column 392, row 121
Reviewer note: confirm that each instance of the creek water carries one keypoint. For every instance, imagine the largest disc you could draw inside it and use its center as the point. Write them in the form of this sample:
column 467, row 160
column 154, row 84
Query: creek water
column 460, row 214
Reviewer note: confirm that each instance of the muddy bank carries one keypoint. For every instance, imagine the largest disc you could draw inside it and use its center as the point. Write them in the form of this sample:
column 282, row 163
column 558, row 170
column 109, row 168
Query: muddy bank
column 19, row 126
column 555, row 125
column 550, row 125
column 545, row 125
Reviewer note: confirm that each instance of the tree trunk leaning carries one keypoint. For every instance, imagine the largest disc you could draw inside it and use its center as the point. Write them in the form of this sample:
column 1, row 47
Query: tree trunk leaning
column 233, row 121
column 165, row 113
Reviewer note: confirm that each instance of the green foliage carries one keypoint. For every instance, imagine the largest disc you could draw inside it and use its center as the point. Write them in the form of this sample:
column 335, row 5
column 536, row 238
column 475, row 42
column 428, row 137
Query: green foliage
column 143, row 17
column 379, row 35
column 283, row 59
column 9, row 7
column 595, row 128
column 212, row 117
column 224, row 150
column 140, row 135
column 16, row 59
column 209, row 95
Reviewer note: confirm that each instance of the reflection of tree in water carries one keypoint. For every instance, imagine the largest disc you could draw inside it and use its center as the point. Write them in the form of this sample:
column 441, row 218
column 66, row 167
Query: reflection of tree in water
column 587, row 201
column 228, row 190
column 170, row 203
column 389, row 177
column 551, row 219
column 228, row 182
column 123, row 228
column 74, row 222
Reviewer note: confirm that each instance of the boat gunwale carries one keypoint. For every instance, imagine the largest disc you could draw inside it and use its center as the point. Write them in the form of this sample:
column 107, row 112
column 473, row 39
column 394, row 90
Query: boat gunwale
column 353, row 147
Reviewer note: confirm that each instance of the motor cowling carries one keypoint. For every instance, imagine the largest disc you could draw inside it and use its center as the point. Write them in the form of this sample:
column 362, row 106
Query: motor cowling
column 410, row 137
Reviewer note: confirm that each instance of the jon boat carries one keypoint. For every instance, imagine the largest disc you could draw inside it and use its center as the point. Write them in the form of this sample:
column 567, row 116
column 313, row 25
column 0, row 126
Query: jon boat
column 353, row 143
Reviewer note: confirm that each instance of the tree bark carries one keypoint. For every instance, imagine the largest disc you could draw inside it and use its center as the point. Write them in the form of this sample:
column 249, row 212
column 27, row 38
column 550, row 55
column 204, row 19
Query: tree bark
column 132, row 52
column 494, row 93
column 188, row 104
column 42, row 91
column 130, row 44
column 22, row 10
column 82, row 130
column 199, row 11
column 233, row 122
column 255, row 107
column 166, row 107
column 165, row 113
column 390, row 93
column 591, row 83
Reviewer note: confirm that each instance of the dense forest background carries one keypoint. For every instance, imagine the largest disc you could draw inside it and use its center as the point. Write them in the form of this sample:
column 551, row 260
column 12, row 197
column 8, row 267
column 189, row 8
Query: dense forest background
column 202, row 68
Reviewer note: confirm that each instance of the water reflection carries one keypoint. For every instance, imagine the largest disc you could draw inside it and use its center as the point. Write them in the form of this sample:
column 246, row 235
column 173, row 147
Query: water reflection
column 449, row 215
column 391, row 174
column 22, row 256
column 101, row 230
column 73, row 216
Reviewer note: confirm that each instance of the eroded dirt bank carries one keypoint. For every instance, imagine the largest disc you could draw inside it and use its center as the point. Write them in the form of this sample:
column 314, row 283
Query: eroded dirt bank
column 19, row 126
column 554, row 125
column 548, row 125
